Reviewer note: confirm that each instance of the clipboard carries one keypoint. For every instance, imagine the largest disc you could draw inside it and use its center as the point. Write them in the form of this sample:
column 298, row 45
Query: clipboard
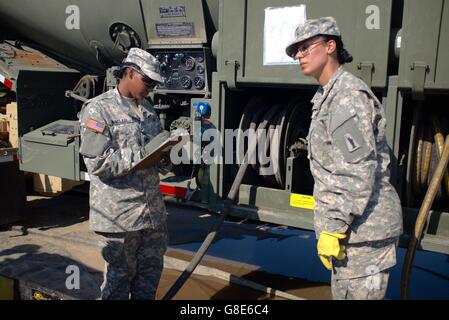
column 162, row 144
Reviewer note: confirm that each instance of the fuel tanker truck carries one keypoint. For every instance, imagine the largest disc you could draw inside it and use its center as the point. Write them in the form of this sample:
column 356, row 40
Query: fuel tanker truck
column 224, row 68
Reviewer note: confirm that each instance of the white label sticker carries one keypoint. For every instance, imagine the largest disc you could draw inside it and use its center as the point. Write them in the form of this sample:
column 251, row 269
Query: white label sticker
column 279, row 30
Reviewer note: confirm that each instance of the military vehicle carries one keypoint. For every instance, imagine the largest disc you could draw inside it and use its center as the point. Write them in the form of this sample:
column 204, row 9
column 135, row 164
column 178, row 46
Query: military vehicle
column 224, row 67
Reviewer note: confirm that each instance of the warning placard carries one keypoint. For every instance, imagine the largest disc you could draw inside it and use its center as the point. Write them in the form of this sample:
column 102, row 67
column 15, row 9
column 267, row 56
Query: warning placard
column 302, row 201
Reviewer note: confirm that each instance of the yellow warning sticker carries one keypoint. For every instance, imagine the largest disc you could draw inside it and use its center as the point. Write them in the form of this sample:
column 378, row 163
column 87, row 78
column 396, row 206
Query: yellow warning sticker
column 302, row 201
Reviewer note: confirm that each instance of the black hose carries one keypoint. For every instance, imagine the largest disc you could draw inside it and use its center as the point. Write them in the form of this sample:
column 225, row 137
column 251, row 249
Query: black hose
column 226, row 210
column 422, row 217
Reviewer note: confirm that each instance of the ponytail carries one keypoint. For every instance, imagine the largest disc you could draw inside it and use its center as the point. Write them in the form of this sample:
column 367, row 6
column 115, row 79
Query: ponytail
column 343, row 55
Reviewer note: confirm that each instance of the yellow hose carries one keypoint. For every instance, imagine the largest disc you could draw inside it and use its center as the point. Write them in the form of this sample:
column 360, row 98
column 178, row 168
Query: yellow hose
column 427, row 153
column 439, row 140
column 422, row 217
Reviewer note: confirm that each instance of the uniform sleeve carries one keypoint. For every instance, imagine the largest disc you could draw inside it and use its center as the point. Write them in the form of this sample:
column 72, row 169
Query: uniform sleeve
column 97, row 149
column 355, row 159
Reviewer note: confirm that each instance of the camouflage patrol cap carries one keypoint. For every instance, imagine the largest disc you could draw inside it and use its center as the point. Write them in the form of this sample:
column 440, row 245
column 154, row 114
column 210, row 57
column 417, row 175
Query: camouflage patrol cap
column 311, row 28
column 148, row 64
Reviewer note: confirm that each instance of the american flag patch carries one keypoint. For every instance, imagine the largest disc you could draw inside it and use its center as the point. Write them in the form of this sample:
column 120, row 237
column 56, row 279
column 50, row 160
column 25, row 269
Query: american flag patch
column 95, row 126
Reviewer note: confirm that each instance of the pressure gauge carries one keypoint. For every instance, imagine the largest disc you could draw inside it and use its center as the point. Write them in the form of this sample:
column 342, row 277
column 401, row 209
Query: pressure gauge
column 200, row 69
column 189, row 64
column 198, row 83
column 186, row 82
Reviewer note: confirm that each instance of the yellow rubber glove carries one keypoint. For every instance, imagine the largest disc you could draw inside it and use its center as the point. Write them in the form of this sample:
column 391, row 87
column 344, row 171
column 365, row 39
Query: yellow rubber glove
column 329, row 246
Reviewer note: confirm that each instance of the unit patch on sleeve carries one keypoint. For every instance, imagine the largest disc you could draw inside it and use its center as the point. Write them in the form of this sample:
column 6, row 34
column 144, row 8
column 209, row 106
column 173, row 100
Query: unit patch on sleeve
column 351, row 143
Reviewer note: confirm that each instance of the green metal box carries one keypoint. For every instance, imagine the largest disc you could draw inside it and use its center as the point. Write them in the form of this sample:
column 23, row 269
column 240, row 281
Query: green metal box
column 424, row 45
column 253, row 37
column 52, row 150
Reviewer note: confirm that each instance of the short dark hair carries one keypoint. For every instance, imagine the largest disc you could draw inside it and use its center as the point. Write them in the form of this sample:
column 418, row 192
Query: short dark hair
column 343, row 55
column 119, row 73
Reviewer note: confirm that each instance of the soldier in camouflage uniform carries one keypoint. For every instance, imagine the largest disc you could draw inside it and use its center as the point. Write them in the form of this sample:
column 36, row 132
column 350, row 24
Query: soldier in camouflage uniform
column 126, row 207
column 358, row 215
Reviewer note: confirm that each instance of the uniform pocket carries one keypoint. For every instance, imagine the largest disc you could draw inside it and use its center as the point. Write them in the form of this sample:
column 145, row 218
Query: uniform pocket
column 320, row 142
column 125, row 133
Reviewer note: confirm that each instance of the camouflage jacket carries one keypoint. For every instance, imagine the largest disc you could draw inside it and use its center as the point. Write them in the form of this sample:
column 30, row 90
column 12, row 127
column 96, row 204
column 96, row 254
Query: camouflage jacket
column 349, row 160
column 114, row 130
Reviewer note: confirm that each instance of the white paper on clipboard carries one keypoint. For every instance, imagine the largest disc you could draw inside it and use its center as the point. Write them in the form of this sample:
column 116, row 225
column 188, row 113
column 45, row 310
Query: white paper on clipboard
column 279, row 28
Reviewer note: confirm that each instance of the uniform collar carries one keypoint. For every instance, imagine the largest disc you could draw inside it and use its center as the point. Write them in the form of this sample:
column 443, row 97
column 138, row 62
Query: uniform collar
column 323, row 91
column 129, row 105
column 120, row 96
column 133, row 107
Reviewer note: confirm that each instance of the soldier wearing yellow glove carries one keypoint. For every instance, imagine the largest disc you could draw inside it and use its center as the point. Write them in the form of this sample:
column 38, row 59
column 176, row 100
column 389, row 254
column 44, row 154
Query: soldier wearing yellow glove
column 329, row 246
column 357, row 211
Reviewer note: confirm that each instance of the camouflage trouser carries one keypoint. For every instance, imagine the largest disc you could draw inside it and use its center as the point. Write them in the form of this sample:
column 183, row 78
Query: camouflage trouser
column 134, row 263
column 371, row 287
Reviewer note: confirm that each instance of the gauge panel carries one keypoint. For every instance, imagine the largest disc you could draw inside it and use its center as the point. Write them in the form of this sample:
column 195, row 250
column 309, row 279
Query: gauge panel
column 182, row 70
